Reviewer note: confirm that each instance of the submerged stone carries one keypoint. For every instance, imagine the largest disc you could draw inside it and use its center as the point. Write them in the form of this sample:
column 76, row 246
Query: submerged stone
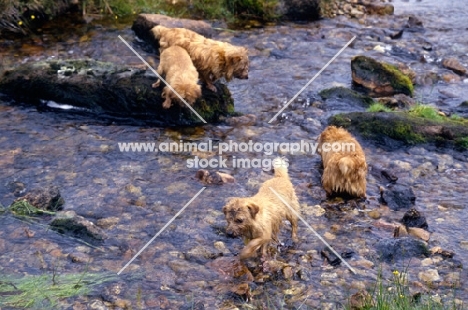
column 69, row 223
column 346, row 94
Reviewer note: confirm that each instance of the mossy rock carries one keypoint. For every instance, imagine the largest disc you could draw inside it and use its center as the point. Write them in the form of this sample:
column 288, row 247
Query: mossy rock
column 346, row 94
column 379, row 78
column 405, row 128
column 108, row 90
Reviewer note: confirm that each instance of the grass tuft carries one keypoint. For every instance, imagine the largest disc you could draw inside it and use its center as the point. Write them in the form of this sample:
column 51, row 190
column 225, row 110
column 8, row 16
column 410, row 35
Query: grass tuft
column 378, row 107
column 45, row 291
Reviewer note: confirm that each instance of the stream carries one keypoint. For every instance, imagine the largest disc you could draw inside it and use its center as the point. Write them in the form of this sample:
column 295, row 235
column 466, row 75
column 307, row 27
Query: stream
column 132, row 195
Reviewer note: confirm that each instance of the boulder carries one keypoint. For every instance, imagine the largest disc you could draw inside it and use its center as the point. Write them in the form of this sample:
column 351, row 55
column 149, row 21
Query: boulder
column 300, row 10
column 107, row 90
column 144, row 22
column 394, row 129
column 379, row 78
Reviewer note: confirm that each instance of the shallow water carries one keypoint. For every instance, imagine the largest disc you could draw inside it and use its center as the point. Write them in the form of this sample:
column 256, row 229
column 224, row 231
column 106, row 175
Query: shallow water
column 139, row 192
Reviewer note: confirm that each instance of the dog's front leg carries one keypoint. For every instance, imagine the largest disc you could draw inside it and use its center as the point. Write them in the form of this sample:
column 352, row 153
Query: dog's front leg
column 156, row 84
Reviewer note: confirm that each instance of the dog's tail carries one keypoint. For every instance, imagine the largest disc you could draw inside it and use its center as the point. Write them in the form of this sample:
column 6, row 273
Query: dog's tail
column 281, row 165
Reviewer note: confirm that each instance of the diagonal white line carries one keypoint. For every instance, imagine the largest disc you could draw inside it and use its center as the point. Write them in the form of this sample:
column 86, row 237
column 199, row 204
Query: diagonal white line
column 310, row 227
column 311, row 80
column 161, row 230
column 170, row 87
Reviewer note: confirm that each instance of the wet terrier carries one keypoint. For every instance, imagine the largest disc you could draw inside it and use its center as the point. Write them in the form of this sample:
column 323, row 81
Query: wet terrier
column 177, row 67
column 213, row 59
column 344, row 163
column 258, row 219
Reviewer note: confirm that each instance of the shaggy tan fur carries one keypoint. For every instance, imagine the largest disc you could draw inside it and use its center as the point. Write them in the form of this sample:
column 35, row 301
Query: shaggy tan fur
column 177, row 68
column 345, row 170
column 213, row 59
column 258, row 219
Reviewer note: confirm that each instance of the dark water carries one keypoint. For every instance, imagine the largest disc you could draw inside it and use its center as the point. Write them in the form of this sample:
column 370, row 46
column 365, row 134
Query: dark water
column 139, row 192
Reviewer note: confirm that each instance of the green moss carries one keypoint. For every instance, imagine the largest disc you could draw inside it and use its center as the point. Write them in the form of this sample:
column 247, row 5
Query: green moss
column 264, row 10
column 410, row 128
column 462, row 143
column 400, row 81
column 378, row 107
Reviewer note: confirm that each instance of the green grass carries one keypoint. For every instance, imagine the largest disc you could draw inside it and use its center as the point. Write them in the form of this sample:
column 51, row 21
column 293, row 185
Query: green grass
column 395, row 295
column 426, row 111
column 378, row 107
column 22, row 207
column 45, row 291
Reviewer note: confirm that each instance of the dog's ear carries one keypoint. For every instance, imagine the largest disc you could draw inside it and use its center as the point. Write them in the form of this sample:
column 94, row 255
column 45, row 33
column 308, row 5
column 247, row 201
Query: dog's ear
column 253, row 209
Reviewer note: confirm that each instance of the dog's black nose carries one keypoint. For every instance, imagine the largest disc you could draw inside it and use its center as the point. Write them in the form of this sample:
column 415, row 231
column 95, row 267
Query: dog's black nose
column 230, row 234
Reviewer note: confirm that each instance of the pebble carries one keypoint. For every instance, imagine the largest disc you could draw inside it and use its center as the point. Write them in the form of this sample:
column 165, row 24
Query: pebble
column 429, row 276
column 374, row 214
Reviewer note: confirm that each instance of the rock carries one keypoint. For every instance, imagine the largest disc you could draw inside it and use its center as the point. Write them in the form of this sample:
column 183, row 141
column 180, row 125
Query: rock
column 454, row 65
column 413, row 218
column 78, row 257
column 201, row 254
column 361, row 300
column 379, row 78
column 107, row 222
column 399, row 101
column 244, row 120
column 394, row 249
column 346, row 94
column 69, row 223
column 231, row 268
column 145, row 22
column 377, row 8
column 443, row 253
column 374, row 214
column 215, row 177
column 107, row 90
column 47, row 198
column 393, row 129
column 300, row 10
column 429, row 276
column 397, row 197
column 419, row 233
column 414, row 24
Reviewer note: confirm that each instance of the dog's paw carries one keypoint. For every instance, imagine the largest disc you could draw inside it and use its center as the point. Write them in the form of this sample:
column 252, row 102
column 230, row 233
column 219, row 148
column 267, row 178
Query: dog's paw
column 211, row 87
column 166, row 104
column 156, row 84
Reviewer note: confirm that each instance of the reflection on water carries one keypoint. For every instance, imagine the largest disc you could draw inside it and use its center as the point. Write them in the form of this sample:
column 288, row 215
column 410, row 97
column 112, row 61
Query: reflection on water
column 132, row 195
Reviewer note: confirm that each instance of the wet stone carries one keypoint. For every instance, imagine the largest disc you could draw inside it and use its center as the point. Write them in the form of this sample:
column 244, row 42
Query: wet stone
column 47, row 198
column 68, row 222
column 78, row 257
column 400, row 248
column 398, row 197
column 413, row 218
